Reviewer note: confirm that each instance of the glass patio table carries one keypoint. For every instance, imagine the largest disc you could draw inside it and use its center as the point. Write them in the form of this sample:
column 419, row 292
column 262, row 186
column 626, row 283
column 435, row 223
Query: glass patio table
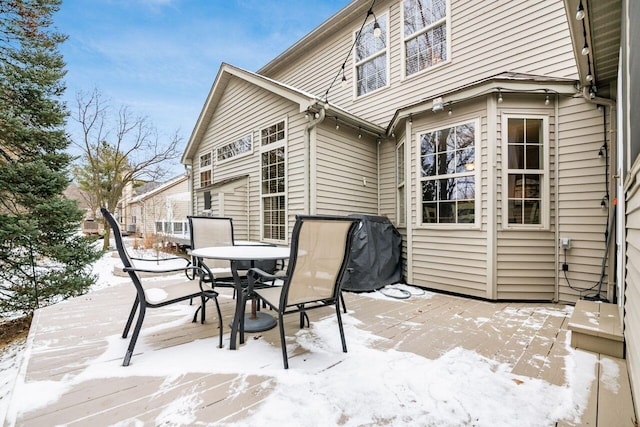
column 254, row 321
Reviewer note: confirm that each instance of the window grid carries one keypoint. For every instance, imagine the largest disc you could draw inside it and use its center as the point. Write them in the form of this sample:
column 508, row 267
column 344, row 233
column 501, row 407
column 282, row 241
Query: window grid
column 425, row 32
column 273, row 173
column 448, row 179
column 525, row 162
column 370, row 57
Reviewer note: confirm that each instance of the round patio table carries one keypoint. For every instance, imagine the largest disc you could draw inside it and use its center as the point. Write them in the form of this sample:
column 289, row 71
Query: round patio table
column 254, row 321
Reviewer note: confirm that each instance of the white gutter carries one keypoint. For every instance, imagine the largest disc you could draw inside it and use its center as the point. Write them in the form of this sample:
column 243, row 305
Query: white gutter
column 308, row 142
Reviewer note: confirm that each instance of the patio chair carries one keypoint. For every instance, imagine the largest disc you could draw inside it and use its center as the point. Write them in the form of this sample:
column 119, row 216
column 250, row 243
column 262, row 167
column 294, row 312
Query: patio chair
column 141, row 303
column 319, row 253
column 207, row 231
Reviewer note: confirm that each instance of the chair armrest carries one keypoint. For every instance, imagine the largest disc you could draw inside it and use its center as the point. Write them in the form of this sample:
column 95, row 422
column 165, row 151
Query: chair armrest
column 252, row 273
column 170, row 270
column 159, row 259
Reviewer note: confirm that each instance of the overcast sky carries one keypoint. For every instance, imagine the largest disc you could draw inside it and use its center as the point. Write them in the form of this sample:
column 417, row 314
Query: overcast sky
column 160, row 57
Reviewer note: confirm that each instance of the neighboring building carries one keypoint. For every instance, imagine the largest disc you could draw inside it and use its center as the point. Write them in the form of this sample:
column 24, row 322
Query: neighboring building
column 161, row 211
column 462, row 122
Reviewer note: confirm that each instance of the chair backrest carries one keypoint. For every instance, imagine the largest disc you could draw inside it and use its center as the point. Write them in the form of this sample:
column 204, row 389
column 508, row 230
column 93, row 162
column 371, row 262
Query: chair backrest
column 117, row 235
column 320, row 248
column 209, row 231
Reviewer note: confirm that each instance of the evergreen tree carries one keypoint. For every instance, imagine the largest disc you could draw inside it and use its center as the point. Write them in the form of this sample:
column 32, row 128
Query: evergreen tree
column 36, row 222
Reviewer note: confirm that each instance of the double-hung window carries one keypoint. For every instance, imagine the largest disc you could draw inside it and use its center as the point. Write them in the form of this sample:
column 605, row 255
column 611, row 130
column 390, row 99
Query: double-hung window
column 371, row 57
column 425, row 34
column 273, row 174
column 205, row 170
column 526, row 170
column 448, row 174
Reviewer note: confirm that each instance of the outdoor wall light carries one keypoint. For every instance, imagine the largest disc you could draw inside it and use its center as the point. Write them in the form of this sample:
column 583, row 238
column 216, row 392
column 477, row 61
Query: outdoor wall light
column 438, row 105
column 546, row 100
column 499, row 96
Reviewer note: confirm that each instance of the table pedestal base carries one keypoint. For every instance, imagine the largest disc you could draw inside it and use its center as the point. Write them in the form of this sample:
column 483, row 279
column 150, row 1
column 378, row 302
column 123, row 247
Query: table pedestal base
column 259, row 322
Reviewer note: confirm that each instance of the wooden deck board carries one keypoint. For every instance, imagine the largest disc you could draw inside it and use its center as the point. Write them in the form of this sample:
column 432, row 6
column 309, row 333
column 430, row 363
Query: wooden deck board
column 531, row 338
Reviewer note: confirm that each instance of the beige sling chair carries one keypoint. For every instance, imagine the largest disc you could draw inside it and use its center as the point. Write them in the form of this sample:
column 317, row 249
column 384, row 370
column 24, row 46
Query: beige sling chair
column 320, row 248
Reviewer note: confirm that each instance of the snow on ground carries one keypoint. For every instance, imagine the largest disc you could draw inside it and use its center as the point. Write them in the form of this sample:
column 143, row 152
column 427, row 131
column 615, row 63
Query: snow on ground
column 395, row 388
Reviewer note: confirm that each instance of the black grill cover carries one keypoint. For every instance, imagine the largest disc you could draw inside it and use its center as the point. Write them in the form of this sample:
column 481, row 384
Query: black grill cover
column 375, row 258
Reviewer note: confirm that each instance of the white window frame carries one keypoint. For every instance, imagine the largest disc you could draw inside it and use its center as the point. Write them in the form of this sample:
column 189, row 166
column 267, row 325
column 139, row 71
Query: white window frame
column 476, row 174
column 446, row 20
column 205, row 168
column 383, row 52
column 401, row 188
column 264, row 149
column 545, row 181
column 235, row 156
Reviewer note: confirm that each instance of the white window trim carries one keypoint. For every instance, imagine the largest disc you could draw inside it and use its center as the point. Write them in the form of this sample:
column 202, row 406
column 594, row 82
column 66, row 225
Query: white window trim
column 477, row 177
column 239, row 156
column 403, row 50
column 266, row 148
column 386, row 52
column 201, row 168
column 545, row 186
column 401, row 212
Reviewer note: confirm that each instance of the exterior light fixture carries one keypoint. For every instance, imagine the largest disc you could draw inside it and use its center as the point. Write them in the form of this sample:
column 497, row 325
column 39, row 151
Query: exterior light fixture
column 377, row 32
column 580, row 12
column 499, row 96
column 450, row 112
column 337, row 124
column 410, row 118
column 438, row 105
column 546, row 100
column 585, row 49
column 359, row 132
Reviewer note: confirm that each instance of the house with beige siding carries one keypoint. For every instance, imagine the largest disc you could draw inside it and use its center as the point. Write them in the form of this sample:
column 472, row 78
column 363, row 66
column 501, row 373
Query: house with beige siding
column 162, row 211
column 496, row 136
column 463, row 122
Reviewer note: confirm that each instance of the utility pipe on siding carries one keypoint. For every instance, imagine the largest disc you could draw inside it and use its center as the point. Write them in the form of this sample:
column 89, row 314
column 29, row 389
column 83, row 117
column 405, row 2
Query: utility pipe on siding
column 307, row 158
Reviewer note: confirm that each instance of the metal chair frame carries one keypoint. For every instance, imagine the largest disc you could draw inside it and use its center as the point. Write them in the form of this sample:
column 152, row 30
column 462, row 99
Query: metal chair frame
column 140, row 303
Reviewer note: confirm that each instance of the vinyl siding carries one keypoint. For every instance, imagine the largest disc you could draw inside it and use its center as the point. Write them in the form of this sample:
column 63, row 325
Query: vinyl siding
column 487, row 38
column 449, row 257
column 346, row 172
column 525, row 258
column 632, row 281
column 246, row 109
column 581, row 187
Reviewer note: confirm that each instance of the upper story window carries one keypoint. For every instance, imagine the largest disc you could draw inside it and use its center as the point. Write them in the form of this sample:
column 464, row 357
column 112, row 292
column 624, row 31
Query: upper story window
column 205, row 170
column 371, row 57
column 236, row 148
column 527, row 158
column 448, row 174
column 425, row 34
column 272, row 134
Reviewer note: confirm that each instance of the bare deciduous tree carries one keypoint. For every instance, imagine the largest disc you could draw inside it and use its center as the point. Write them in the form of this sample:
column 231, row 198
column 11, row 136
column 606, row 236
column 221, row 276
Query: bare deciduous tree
column 117, row 149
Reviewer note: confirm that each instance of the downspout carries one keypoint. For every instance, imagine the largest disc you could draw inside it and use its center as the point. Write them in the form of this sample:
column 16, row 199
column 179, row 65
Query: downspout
column 556, row 185
column 612, row 187
column 316, row 120
column 408, row 192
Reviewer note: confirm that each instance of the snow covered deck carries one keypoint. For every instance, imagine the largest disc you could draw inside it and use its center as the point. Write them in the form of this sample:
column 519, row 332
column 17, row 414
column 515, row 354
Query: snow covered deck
column 431, row 359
